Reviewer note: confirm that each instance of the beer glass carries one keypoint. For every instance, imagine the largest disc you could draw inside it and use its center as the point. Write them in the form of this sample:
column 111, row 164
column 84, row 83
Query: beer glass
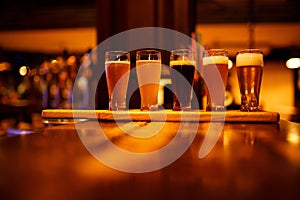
column 182, row 63
column 117, row 67
column 216, row 58
column 148, row 69
column 249, row 66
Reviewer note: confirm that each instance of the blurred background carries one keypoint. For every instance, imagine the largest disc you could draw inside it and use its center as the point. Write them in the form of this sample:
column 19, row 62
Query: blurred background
column 43, row 44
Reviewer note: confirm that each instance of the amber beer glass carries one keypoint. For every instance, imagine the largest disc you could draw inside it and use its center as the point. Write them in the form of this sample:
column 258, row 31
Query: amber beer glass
column 148, row 69
column 249, row 65
column 182, row 63
column 217, row 58
column 117, row 67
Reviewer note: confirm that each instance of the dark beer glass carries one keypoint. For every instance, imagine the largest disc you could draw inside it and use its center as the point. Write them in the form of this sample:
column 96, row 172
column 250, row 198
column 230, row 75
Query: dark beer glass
column 182, row 63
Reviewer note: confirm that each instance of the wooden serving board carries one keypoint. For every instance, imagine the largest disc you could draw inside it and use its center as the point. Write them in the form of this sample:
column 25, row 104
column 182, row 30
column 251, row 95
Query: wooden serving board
column 164, row 115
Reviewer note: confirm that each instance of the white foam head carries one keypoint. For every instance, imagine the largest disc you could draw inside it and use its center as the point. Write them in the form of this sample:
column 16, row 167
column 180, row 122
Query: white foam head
column 249, row 59
column 215, row 60
column 182, row 62
column 117, row 62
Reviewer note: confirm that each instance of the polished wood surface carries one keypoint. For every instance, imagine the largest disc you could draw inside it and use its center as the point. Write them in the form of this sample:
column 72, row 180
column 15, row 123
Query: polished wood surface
column 249, row 161
column 163, row 115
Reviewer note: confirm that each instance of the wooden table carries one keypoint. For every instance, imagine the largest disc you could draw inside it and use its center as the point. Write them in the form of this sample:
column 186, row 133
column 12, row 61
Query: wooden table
column 249, row 161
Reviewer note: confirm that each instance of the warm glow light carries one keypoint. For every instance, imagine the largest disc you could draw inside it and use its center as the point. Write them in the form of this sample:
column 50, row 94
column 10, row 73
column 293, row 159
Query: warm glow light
column 226, row 139
column 71, row 60
column 54, row 61
column 293, row 63
column 23, row 70
column 230, row 64
column 5, row 66
column 293, row 138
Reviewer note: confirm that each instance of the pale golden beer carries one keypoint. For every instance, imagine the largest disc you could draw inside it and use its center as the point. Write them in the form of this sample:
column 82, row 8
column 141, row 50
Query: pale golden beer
column 148, row 69
column 249, row 66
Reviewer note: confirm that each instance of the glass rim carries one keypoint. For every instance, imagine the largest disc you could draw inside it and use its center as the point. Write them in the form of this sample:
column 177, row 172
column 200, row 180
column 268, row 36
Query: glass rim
column 183, row 50
column 148, row 54
column 117, row 55
column 217, row 52
column 117, row 52
column 148, row 51
column 254, row 50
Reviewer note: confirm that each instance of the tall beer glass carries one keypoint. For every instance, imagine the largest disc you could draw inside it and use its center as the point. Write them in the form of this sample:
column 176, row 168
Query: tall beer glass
column 217, row 58
column 117, row 67
column 148, row 69
column 249, row 65
column 182, row 63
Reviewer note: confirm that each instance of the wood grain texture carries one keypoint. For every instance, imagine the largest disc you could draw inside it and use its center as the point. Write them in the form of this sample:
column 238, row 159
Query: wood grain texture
column 165, row 115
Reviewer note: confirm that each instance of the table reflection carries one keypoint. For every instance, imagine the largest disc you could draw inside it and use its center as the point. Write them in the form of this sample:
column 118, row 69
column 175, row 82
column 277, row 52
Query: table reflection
column 248, row 161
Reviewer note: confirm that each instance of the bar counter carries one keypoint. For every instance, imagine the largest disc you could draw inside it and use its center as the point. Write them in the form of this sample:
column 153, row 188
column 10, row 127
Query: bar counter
column 248, row 161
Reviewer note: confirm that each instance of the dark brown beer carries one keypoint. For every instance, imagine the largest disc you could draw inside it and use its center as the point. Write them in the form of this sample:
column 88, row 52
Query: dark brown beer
column 182, row 77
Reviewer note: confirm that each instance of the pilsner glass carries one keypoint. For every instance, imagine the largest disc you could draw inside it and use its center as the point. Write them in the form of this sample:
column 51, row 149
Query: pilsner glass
column 117, row 67
column 216, row 58
column 182, row 63
column 148, row 69
column 249, row 66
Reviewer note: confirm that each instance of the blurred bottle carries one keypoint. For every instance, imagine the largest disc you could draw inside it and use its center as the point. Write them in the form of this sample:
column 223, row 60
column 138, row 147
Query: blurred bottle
column 53, row 87
column 65, row 88
column 81, row 98
column 43, row 71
